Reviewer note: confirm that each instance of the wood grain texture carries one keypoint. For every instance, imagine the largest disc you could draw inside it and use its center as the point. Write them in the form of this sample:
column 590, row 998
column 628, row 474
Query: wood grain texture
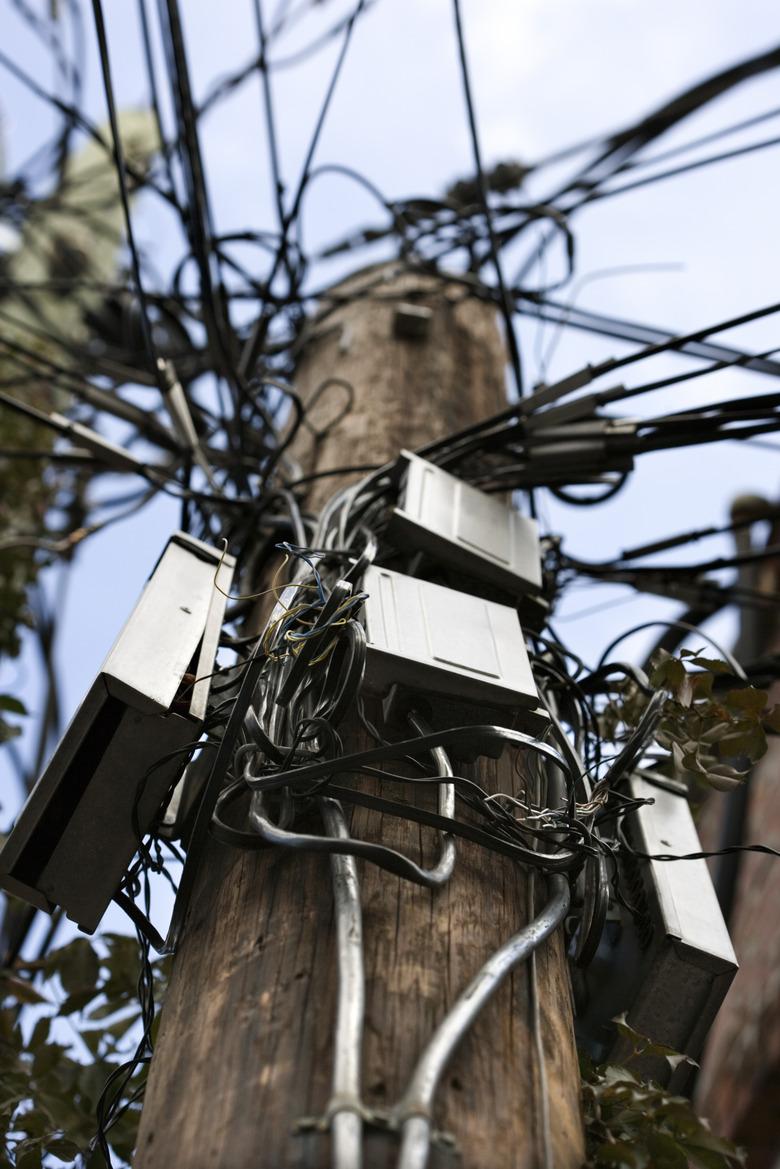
column 245, row 1045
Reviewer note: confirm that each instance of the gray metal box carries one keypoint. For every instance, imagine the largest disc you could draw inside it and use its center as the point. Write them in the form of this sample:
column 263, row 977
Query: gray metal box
column 466, row 528
column 107, row 779
column 435, row 639
column 671, row 969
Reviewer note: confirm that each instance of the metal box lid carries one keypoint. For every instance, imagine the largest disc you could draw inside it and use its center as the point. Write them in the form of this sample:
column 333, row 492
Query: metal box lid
column 691, row 961
column 179, row 610
column 429, row 637
column 686, row 903
column 126, row 743
column 673, row 960
column 467, row 528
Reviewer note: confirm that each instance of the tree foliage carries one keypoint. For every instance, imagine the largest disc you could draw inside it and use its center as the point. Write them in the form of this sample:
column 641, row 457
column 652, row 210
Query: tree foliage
column 710, row 734
column 69, row 237
column 631, row 1123
column 67, row 1023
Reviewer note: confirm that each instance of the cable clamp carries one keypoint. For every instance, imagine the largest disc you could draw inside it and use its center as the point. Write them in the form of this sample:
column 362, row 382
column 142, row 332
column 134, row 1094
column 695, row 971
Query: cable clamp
column 387, row 1120
column 344, row 1102
column 409, row 1110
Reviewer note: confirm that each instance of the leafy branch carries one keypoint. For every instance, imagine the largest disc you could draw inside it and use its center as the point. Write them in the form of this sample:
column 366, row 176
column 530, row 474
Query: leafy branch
column 66, row 1023
column 712, row 735
column 632, row 1123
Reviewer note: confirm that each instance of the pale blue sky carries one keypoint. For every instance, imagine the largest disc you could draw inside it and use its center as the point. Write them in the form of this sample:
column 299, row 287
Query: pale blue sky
column 545, row 73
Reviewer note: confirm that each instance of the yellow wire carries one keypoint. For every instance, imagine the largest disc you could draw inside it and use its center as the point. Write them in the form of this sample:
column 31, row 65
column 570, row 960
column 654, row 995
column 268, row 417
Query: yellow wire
column 264, row 592
column 295, row 645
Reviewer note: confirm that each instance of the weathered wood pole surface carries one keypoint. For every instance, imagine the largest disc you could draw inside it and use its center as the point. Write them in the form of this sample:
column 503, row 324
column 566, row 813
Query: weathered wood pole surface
column 245, row 1045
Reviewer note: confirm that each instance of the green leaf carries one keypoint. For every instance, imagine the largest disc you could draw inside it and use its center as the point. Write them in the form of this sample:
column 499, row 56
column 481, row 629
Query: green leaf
column 691, row 762
column 93, row 1039
column 642, row 1044
column 40, row 1033
column 34, row 1123
column 78, row 966
column 12, row 705
column 620, row 1154
column 665, row 1152
column 724, row 778
column 706, row 1159
column 712, row 665
column 669, row 673
column 122, row 960
column 702, row 685
column 627, row 1118
column 47, row 1057
column 704, row 1138
column 8, row 731
column 749, row 699
column 80, row 222
column 749, row 741
column 78, row 1000
column 48, row 1096
column 63, row 1148
column 62, row 1106
column 20, row 989
column 29, row 1154
column 107, row 1009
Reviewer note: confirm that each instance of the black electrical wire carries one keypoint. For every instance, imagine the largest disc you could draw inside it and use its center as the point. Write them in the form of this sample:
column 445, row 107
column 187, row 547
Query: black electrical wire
column 504, row 300
column 231, row 318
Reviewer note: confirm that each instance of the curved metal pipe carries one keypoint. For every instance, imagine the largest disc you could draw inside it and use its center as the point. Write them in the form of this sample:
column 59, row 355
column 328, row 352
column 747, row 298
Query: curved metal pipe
column 442, row 871
column 415, row 1108
column 345, row 1105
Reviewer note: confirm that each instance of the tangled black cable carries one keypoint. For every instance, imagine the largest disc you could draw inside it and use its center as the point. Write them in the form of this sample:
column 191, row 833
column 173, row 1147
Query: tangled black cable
column 186, row 380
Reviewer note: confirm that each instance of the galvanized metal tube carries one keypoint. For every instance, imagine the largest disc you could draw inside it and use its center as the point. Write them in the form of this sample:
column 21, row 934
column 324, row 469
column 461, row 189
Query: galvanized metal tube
column 415, row 1108
column 442, row 871
column 345, row 1105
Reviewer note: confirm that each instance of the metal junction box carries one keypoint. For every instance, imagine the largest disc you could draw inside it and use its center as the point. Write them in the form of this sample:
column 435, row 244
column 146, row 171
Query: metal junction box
column 673, row 962
column 118, row 759
column 466, row 528
column 430, row 638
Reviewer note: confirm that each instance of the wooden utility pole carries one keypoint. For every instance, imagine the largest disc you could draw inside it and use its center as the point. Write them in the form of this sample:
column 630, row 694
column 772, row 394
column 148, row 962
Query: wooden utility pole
column 244, row 1054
